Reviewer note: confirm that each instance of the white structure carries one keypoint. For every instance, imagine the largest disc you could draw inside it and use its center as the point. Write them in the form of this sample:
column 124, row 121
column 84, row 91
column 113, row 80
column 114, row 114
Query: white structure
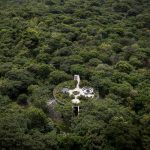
column 76, row 101
column 65, row 90
column 77, row 92
column 88, row 92
column 76, row 77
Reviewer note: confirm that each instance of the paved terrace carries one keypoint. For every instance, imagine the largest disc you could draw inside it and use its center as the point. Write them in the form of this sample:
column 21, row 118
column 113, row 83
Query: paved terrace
column 77, row 92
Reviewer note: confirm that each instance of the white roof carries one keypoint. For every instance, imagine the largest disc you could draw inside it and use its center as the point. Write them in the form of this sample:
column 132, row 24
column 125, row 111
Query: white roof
column 76, row 101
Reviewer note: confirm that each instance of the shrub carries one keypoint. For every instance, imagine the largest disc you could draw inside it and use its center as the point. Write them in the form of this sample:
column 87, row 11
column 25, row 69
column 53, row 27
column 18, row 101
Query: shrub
column 22, row 99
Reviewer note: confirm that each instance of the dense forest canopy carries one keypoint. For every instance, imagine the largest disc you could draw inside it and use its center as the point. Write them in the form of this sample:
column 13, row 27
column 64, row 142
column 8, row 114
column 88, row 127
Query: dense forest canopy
column 44, row 43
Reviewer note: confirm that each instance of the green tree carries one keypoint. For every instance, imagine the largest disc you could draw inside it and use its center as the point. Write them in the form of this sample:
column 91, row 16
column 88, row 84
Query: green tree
column 22, row 99
column 81, row 70
column 117, row 133
column 122, row 89
column 124, row 66
column 57, row 77
column 41, row 70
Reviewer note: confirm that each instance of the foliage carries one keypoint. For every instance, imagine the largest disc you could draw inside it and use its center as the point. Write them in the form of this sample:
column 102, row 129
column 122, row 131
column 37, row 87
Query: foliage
column 43, row 43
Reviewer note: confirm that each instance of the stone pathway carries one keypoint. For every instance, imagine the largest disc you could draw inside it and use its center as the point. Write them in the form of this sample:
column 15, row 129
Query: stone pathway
column 77, row 92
